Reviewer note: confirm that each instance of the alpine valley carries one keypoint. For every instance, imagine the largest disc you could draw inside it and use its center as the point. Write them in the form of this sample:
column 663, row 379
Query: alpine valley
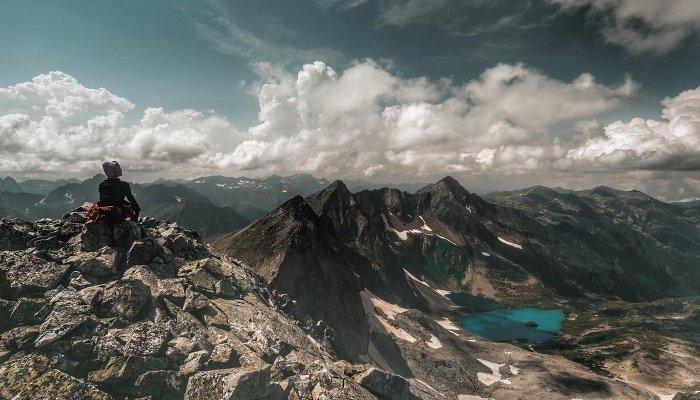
column 300, row 288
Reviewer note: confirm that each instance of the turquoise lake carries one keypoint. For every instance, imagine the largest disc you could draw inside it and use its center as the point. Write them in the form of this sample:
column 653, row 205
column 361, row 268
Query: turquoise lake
column 510, row 324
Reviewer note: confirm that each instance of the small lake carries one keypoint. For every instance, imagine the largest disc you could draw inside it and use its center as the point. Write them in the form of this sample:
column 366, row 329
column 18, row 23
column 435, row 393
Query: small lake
column 506, row 325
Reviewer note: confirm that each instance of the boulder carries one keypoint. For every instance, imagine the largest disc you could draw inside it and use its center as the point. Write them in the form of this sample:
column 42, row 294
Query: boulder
column 224, row 355
column 194, row 362
column 67, row 313
column 6, row 308
column 124, row 299
column 146, row 339
column 119, row 369
column 392, row 387
column 18, row 373
column 94, row 237
column 28, row 311
column 194, row 301
column 78, row 281
column 14, row 234
column 142, row 252
column 179, row 348
column 57, row 385
column 172, row 289
column 25, row 274
column 101, row 263
column 229, row 384
column 159, row 384
column 19, row 338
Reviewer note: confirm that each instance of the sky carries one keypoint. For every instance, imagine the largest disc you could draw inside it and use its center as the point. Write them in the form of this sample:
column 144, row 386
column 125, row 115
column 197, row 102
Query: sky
column 500, row 94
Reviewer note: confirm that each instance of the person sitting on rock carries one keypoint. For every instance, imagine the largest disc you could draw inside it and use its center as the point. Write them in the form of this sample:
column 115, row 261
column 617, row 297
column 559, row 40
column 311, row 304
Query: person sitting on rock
column 113, row 207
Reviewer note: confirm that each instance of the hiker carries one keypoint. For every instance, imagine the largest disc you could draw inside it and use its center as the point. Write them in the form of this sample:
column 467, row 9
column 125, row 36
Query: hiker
column 113, row 207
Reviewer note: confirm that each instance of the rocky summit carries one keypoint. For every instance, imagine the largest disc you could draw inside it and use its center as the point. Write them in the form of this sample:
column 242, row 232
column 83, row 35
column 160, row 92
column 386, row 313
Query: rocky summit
column 148, row 311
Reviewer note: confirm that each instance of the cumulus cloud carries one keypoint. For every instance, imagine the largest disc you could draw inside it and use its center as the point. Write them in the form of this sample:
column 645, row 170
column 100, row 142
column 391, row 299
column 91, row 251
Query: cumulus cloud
column 364, row 121
column 673, row 144
column 54, row 124
column 643, row 26
column 369, row 121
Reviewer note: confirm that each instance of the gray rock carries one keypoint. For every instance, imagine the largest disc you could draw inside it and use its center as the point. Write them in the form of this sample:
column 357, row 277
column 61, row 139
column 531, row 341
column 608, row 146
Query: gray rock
column 197, row 275
column 389, row 386
column 172, row 289
column 92, row 295
column 14, row 234
column 159, row 384
column 179, row 348
column 229, row 384
column 142, row 252
column 146, row 339
column 223, row 356
column 78, row 281
column 687, row 396
column 6, row 308
column 124, row 299
column 67, row 313
column 57, row 385
column 100, row 264
column 22, row 273
column 94, row 237
column 21, row 337
column 194, row 362
column 119, row 369
column 30, row 311
column 18, row 374
column 194, row 300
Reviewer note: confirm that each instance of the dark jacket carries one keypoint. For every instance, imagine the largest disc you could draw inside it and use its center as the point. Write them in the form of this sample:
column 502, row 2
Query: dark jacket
column 113, row 191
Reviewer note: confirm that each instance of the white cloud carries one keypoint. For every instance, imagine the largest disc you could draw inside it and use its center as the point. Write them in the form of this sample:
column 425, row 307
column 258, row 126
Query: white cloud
column 55, row 124
column 649, row 144
column 643, row 26
column 364, row 121
column 367, row 120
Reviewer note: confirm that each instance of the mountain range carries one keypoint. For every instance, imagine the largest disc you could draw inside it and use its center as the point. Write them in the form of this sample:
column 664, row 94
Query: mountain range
column 379, row 275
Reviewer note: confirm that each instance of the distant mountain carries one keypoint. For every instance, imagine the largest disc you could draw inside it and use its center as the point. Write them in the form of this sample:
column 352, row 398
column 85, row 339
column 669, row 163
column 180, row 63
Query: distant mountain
column 19, row 205
column 8, row 184
column 176, row 203
column 264, row 194
column 188, row 208
column 42, row 186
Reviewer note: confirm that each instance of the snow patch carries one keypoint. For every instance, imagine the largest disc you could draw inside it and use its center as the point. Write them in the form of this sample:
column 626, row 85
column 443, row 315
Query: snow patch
column 390, row 310
column 415, row 279
column 444, row 238
column 178, row 199
column 485, row 254
column 517, row 246
column 69, row 197
column 434, row 342
column 449, row 325
column 514, row 370
column 403, row 235
column 398, row 332
column 443, row 293
column 494, row 376
column 425, row 226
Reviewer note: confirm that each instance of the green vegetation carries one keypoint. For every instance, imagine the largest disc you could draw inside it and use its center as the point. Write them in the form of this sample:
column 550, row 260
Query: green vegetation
column 444, row 260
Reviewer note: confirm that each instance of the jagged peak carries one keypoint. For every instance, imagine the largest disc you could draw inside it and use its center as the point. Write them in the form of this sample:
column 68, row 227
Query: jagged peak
column 446, row 185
